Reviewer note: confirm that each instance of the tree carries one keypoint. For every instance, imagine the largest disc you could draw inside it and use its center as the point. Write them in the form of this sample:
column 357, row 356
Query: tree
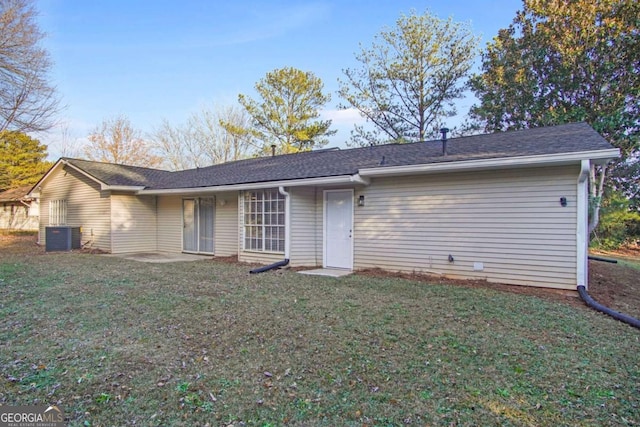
column 619, row 223
column 566, row 61
column 22, row 159
column 625, row 178
column 409, row 78
column 28, row 103
column 208, row 137
column 287, row 113
column 115, row 140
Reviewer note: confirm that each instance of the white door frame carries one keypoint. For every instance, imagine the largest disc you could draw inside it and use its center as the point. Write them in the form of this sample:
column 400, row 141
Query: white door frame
column 324, row 226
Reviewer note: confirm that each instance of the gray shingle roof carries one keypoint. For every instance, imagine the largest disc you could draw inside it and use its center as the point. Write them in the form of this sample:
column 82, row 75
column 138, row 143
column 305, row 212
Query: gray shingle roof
column 114, row 174
column 569, row 138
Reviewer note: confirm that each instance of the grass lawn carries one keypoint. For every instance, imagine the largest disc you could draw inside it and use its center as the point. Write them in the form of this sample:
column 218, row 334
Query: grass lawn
column 117, row 342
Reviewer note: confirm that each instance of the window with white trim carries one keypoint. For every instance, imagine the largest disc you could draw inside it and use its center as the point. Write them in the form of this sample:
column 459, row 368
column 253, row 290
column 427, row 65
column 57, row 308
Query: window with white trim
column 57, row 212
column 263, row 223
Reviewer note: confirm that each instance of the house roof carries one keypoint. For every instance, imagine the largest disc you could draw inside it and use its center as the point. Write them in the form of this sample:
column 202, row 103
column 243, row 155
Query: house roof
column 544, row 141
column 121, row 175
column 15, row 194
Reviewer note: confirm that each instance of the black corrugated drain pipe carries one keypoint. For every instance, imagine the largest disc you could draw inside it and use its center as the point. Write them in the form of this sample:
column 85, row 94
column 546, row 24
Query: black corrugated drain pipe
column 270, row 266
column 597, row 258
column 606, row 310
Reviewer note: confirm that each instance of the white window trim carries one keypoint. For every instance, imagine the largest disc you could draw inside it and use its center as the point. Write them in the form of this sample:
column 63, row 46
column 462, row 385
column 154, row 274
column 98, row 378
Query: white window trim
column 58, row 212
column 263, row 225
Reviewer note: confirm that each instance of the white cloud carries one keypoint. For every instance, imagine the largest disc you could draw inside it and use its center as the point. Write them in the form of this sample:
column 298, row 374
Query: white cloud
column 350, row 116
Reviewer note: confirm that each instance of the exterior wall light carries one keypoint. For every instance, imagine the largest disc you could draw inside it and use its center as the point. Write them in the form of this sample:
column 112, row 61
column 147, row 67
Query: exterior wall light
column 563, row 202
column 361, row 200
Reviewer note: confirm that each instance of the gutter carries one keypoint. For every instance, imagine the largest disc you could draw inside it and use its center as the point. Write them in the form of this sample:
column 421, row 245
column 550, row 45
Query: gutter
column 503, row 162
column 134, row 188
column 326, row 180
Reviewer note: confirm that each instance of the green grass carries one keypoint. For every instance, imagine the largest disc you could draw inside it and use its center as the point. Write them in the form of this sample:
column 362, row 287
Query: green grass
column 116, row 342
column 633, row 263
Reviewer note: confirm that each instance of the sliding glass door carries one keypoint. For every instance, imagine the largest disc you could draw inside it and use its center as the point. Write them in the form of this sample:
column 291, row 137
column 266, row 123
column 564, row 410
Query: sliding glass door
column 198, row 220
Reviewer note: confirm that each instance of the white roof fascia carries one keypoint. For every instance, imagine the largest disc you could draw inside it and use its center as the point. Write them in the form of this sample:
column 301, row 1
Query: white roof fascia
column 134, row 188
column 330, row 180
column 495, row 163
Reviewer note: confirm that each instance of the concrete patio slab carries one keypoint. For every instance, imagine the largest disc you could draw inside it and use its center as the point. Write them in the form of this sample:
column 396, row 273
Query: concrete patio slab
column 330, row 272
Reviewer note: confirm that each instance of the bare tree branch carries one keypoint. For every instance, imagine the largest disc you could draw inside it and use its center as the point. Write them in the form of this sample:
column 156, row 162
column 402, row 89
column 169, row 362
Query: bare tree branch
column 28, row 103
column 117, row 141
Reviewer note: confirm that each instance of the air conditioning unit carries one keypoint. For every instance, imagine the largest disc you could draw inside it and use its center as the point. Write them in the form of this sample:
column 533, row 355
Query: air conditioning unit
column 62, row 238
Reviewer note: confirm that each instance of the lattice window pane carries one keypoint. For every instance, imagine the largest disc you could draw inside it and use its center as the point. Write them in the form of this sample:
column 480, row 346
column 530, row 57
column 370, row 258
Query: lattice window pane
column 264, row 221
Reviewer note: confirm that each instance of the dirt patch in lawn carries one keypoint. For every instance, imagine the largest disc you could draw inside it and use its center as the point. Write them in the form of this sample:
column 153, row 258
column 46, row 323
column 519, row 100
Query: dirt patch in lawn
column 616, row 286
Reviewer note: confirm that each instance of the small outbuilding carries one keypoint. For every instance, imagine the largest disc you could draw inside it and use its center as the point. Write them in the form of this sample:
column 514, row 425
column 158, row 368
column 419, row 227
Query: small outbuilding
column 18, row 211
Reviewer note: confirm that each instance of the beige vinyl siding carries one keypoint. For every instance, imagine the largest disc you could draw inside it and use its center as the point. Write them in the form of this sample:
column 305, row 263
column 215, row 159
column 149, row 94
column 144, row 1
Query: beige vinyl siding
column 169, row 223
column 226, row 224
column 87, row 206
column 305, row 241
column 509, row 220
column 259, row 257
column 133, row 223
column 225, row 228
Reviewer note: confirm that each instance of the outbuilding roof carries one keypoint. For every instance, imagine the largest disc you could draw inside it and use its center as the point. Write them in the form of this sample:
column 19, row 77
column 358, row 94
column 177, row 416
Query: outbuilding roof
column 552, row 140
column 15, row 194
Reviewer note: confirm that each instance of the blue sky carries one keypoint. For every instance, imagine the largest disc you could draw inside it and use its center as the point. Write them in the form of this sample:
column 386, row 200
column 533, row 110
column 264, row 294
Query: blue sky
column 154, row 60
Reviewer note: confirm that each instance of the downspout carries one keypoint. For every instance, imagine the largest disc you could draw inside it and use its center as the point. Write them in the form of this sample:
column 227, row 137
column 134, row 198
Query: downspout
column 582, row 239
column 287, row 222
column 582, row 242
column 287, row 236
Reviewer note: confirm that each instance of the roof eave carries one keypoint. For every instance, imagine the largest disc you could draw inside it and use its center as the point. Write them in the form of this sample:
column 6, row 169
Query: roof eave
column 330, row 180
column 598, row 156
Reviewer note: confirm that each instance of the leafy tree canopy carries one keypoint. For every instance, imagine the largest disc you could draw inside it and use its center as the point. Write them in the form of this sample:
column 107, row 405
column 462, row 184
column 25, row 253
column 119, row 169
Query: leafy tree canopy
column 288, row 111
column 409, row 78
column 565, row 61
column 22, row 160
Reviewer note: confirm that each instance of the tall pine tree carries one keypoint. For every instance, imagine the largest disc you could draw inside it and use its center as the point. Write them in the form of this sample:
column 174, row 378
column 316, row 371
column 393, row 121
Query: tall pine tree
column 22, row 159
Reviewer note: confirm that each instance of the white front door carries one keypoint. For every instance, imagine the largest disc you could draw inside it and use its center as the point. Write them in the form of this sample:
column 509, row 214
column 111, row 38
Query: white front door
column 338, row 237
